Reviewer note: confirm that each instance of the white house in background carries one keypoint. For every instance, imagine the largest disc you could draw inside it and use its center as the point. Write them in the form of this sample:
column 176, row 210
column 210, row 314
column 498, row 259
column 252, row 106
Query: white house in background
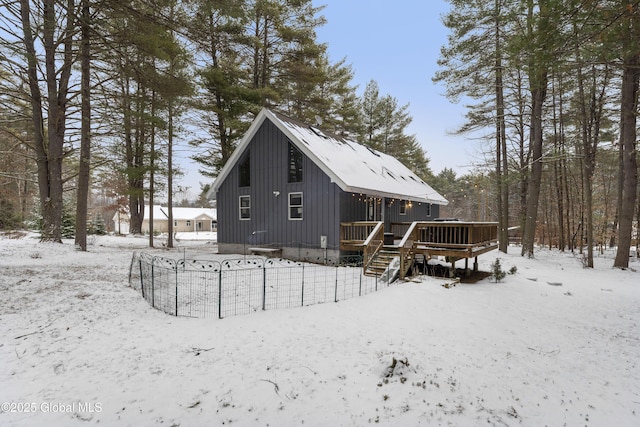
column 184, row 220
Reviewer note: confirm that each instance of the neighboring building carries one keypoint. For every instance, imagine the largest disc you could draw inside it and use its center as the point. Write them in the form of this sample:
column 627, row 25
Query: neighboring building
column 289, row 186
column 121, row 221
column 184, row 220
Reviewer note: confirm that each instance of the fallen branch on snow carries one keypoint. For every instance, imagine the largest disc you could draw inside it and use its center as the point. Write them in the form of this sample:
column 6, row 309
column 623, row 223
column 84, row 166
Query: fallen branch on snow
column 275, row 386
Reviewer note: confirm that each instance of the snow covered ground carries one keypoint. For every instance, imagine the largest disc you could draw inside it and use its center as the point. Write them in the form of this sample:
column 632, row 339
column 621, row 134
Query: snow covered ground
column 554, row 344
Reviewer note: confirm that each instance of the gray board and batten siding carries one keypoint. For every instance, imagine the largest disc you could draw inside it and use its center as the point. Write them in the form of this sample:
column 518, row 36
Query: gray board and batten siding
column 261, row 169
column 356, row 207
column 269, row 223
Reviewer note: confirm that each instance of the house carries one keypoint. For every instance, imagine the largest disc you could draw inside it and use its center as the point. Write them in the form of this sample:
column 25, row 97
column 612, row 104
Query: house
column 121, row 220
column 184, row 220
column 289, row 186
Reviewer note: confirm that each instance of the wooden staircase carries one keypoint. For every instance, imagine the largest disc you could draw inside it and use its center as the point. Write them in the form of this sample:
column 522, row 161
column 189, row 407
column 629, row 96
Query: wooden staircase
column 381, row 261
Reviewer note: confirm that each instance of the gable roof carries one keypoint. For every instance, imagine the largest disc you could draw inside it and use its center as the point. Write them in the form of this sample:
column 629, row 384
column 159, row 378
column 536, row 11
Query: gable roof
column 162, row 213
column 353, row 167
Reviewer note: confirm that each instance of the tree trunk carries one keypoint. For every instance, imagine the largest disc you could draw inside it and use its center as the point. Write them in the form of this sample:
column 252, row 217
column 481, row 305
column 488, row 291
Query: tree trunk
column 49, row 149
column 538, row 95
column 170, row 113
column 559, row 155
column 135, row 164
column 628, row 109
column 152, row 167
column 85, row 132
column 501, row 144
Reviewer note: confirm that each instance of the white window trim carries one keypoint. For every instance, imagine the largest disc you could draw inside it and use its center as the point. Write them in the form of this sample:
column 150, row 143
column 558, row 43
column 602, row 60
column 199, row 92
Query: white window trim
column 428, row 209
column 301, row 206
column 240, row 207
column 403, row 207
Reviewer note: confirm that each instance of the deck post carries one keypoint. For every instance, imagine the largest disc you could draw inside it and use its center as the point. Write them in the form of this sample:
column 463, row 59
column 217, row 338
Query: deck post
column 467, row 272
column 475, row 264
column 452, row 272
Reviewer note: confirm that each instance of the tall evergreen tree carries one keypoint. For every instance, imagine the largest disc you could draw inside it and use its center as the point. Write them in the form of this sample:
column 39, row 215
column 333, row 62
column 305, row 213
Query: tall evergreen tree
column 52, row 35
column 385, row 129
column 474, row 64
column 226, row 96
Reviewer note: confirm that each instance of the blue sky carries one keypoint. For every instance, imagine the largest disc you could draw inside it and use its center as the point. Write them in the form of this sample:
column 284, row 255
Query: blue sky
column 397, row 44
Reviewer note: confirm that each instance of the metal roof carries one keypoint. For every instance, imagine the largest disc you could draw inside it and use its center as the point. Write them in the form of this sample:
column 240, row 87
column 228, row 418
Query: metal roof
column 353, row 167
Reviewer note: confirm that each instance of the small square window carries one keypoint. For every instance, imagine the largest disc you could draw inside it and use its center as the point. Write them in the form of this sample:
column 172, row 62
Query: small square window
column 245, row 207
column 295, row 206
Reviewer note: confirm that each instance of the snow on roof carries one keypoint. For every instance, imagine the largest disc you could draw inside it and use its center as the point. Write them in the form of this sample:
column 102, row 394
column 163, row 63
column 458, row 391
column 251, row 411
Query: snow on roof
column 162, row 212
column 353, row 167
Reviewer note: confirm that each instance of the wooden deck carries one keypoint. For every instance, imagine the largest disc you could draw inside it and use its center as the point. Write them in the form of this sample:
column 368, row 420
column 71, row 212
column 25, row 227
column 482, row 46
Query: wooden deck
column 453, row 239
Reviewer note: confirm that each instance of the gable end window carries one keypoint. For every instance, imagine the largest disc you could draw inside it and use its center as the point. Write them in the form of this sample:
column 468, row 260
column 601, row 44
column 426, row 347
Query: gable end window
column 245, row 207
column 245, row 172
column 295, row 164
column 295, row 206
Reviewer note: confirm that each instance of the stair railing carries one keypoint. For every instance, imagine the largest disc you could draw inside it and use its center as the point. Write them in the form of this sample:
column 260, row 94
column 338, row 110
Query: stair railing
column 372, row 245
column 407, row 248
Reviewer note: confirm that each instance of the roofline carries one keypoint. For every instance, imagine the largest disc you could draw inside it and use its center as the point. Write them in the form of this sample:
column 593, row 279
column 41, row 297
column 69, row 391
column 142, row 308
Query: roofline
column 246, row 139
column 248, row 136
column 419, row 199
column 300, row 145
column 253, row 129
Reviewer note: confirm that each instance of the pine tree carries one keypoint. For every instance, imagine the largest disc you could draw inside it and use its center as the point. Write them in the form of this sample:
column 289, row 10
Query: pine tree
column 45, row 58
column 225, row 96
column 385, row 129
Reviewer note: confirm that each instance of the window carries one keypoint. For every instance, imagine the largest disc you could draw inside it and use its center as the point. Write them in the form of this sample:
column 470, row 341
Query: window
column 175, row 222
column 374, row 209
column 295, row 205
column 245, row 172
column 428, row 209
column 403, row 207
column 245, row 207
column 295, row 164
column 188, row 223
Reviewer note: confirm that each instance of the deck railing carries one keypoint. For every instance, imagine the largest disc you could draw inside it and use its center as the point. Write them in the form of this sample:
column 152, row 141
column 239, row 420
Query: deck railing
column 365, row 236
column 355, row 233
column 457, row 234
column 455, row 239
column 450, row 238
